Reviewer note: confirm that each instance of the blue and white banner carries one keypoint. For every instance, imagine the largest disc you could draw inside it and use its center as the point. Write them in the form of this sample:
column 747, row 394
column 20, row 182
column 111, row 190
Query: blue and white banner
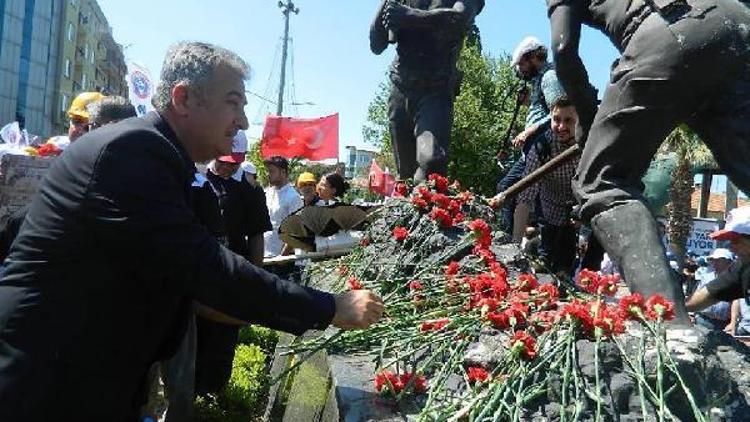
column 141, row 87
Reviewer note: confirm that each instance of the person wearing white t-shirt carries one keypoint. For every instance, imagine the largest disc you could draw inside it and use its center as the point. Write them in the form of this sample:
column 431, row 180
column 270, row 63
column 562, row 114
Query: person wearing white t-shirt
column 282, row 200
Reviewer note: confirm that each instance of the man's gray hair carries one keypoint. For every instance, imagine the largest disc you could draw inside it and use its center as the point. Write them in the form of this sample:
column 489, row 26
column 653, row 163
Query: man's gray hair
column 193, row 63
column 109, row 109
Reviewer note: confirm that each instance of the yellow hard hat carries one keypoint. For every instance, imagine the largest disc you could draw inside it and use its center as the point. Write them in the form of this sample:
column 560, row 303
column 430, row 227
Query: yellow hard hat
column 78, row 106
column 306, row 177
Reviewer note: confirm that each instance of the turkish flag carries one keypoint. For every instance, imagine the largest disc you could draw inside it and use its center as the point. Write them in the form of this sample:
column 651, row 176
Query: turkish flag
column 379, row 181
column 314, row 139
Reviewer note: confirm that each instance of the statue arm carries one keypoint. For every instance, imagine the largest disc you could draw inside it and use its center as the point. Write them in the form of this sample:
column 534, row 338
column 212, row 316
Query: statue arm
column 458, row 17
column 378, row 32
column 566, row 22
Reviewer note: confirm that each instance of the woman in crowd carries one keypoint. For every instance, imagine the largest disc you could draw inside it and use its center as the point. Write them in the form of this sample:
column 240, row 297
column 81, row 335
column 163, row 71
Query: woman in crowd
column 331, row 188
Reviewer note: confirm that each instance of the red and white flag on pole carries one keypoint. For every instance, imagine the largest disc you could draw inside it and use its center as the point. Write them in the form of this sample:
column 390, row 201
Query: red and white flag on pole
column 314, row 139
column 379, row 181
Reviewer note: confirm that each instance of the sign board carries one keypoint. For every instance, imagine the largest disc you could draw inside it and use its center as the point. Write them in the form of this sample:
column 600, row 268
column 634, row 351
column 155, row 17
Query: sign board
column 699, row 240
column 20, row 178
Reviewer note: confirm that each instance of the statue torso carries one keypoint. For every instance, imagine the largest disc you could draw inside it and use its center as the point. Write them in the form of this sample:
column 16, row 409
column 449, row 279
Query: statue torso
column 428, row 54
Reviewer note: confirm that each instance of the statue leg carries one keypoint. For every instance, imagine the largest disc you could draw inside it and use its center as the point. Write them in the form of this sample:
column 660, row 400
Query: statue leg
column 629, row 234
column 641, row 106
column 403, row 142
column 434, row 120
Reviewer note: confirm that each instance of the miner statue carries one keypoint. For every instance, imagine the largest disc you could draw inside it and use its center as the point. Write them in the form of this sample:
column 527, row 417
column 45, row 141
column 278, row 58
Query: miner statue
column 682, row 61
column 428, row 35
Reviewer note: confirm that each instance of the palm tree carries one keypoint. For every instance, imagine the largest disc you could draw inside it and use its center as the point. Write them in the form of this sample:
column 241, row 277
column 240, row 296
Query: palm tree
column 691, row 152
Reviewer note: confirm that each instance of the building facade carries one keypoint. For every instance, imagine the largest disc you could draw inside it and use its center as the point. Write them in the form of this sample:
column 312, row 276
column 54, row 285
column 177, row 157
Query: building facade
column 90, row 59
column 358, row 162
column 51, row 50
column 29, row 61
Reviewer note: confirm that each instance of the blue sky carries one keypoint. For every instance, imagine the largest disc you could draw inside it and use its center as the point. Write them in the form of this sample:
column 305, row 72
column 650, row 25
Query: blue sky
column 333, row 66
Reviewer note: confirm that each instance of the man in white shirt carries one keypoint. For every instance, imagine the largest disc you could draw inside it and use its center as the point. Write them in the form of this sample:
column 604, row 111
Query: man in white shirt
column 282, row 200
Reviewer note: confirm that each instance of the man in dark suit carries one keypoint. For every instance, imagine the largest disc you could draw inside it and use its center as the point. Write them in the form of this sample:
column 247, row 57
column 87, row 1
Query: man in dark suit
column 100, row 278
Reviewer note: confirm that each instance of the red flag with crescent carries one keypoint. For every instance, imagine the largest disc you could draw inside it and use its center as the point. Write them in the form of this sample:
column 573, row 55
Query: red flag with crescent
column 314, row 139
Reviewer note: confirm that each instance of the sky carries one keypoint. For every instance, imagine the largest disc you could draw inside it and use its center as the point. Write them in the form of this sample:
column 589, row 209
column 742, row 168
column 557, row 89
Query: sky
column 334, row 69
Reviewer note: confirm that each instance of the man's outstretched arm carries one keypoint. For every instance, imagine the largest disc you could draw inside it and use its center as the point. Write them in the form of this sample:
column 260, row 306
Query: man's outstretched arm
column 565, row 20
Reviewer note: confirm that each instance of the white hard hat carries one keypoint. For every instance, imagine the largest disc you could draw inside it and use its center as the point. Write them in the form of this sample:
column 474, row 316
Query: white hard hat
column 527, row 45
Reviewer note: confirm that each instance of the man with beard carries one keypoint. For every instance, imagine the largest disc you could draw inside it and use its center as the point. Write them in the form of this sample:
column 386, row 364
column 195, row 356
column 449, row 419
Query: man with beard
column 555, row 194
column 683, row 61
column 530, row 62
column 429, row 36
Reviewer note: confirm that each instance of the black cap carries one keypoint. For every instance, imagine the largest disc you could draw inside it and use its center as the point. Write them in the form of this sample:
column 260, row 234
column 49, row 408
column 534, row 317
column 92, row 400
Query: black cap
column 277, row 161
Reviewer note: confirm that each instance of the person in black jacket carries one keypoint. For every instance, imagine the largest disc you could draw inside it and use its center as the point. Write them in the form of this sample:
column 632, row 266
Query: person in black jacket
column 245, row 217
column 100, row 279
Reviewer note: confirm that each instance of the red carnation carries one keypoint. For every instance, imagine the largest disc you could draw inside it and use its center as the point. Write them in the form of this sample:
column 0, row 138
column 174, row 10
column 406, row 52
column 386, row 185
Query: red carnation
column 387, row 380
column 415, row 285
column 499, row 320
column 632, row 306
column 542, row 321
column 441, row 200
column 477, row 374
column 419, row 202
column 523, row 345
column 400, row 233
column 418, row 382
column 458, row 218
column 526, row 283
column 452, row 269
column 401, row 189
column 454, row 207
column 48, row 150
column 365, row 241
column 434, row 325
column 547, row 296
column 442, row 217
column 440, row 182
column 487, row 256
column 354, row 284
column 659, row 308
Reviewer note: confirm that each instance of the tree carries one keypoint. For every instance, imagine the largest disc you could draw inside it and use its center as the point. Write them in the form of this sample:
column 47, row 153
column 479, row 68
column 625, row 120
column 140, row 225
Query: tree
column 691, row 152
column 482, row 113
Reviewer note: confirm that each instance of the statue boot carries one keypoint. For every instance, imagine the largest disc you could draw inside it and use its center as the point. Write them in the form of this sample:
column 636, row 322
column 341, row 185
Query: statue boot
column 629, row 234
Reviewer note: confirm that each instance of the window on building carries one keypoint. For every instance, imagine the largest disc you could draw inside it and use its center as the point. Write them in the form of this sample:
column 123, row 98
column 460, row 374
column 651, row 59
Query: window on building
column 83, row 82
column 64, row 103
column 71, row 31
column 67, row 68
column 92, row 56
column 86, row 51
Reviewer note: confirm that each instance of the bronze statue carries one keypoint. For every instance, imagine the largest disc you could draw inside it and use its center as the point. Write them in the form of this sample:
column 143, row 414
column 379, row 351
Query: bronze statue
column 683, row 61
column 428, row 35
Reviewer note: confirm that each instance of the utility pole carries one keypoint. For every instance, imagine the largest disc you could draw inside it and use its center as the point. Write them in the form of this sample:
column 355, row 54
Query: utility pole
column 286, row 8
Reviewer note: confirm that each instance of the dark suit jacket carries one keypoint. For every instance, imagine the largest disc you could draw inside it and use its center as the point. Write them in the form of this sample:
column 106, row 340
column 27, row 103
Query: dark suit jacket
column 99, row 278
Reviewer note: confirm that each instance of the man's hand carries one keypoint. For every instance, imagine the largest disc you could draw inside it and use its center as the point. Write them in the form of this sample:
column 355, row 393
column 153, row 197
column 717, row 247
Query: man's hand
column 357, row 309
column 395, row 14
column 521, row 138
column 497, row 201
column 730, row 328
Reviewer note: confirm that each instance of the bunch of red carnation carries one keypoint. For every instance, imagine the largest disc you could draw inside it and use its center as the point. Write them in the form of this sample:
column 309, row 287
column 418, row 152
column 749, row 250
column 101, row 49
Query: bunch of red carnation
column 656, row 308
column 442, row 208
column 388, row 382
column 597, row 284
column 48, row 150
